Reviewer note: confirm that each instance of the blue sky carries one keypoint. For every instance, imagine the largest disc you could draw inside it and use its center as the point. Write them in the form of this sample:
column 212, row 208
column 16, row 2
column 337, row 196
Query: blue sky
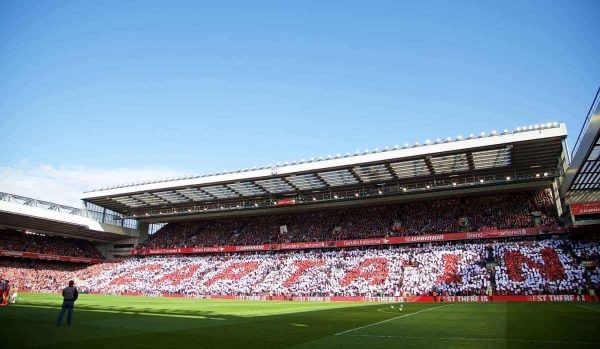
column 121, row 91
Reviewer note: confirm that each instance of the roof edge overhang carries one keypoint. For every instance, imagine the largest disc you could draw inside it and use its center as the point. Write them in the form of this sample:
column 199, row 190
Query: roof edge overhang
column 584, row 146
column 499, row 139
column 36, row 219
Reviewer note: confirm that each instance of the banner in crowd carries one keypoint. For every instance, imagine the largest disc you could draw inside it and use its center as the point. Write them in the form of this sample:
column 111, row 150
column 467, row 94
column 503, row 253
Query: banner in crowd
column 396, row 240
column 48, row 257
column 585, row 208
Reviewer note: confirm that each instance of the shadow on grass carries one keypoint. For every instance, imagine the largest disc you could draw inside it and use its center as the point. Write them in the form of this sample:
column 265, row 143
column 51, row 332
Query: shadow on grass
column 101, row 326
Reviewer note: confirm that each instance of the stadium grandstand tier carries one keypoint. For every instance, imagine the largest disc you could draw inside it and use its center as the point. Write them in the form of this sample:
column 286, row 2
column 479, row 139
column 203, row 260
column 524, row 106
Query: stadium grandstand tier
column 37, row 275
column 469, row 213
column 525, row 267
column 12, row 240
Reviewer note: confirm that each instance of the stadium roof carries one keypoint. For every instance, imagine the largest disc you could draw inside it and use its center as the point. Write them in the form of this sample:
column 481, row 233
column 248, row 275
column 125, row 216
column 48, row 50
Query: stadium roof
column 582, row 178
column 527, row 153
column 19, row 212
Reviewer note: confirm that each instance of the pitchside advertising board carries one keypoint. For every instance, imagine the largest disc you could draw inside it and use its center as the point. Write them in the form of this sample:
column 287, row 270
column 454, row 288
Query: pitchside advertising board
column 415, row 299
column 396, row 240
column 388, row 299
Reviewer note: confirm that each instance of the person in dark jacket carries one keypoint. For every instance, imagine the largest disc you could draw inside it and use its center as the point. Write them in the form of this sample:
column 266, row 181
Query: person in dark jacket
column 70, row 295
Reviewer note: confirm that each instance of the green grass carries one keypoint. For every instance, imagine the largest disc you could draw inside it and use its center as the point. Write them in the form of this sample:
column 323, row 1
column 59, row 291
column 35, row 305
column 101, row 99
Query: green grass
column 142, row 322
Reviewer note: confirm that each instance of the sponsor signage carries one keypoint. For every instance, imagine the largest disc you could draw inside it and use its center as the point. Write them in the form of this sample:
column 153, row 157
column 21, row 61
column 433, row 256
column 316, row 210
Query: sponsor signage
column 396, row 240
column 585, row 208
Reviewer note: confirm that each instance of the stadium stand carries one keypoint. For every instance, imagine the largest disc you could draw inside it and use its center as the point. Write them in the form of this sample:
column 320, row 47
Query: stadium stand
column 37, row 275
column 502, row 211
column 588, row 251
column 11, row 240
column 537, row 267
column 525, row 267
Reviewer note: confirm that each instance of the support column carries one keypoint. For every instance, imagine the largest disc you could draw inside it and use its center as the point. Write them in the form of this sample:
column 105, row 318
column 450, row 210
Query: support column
column 143, row 230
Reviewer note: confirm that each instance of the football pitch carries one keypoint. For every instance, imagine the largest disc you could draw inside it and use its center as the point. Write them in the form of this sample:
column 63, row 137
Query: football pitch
column 146, row 322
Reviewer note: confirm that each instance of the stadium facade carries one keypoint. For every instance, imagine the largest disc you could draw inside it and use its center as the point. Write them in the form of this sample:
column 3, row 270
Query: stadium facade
column 528, row 157
column 118, row 218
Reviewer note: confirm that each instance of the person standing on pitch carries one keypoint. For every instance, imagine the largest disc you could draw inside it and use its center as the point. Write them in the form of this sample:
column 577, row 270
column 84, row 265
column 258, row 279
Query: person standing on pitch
column 70, row 295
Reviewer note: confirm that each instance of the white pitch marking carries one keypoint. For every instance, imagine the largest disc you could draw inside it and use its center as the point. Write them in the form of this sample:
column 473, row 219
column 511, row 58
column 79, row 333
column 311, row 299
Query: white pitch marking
column 588, row 308
column 394, row 318
column 475, row 339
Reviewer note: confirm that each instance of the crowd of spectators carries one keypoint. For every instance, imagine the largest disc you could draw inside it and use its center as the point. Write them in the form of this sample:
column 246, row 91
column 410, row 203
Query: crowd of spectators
column 12, row 240
column 537, row 267
column 393, row 271
column 464, row 268
column 457, row 270
column 523, row 267
column 588, row 251
column 36, row 275
column 469, row 213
